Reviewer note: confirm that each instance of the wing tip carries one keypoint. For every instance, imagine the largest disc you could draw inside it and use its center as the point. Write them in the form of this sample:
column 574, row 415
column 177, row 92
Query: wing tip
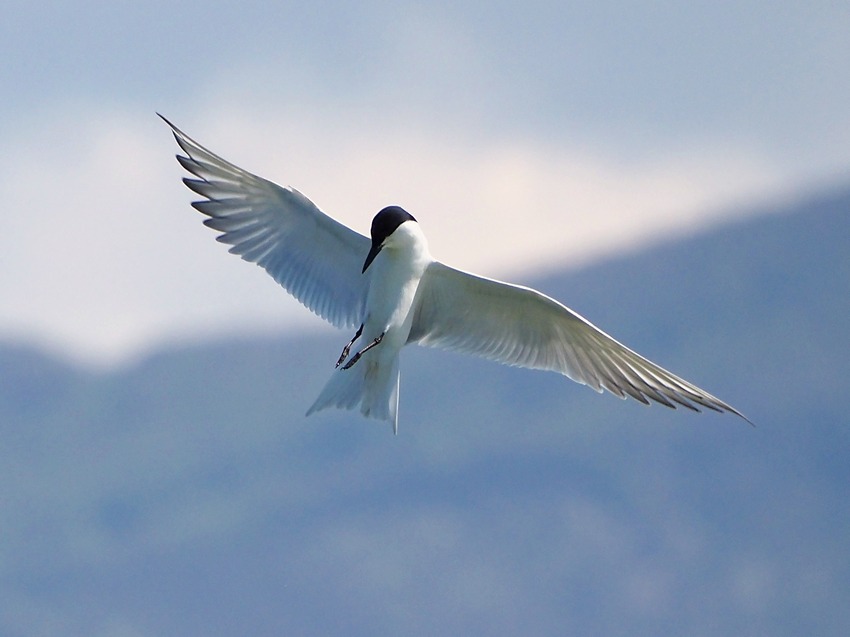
column 719, row 407
column 179, row 135
column 171, row 125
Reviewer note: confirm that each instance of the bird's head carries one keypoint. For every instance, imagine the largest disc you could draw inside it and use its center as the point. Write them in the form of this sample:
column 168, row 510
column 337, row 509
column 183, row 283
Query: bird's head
column 384, row 225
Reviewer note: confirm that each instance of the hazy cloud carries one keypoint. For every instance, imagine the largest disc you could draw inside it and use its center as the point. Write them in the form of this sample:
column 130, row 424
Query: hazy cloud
column 614, row 125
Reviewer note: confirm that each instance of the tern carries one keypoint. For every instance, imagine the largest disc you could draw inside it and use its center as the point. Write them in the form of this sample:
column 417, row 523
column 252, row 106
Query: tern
column 395, row 293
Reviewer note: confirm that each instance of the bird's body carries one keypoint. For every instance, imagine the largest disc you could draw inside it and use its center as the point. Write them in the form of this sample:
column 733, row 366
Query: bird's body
column 389, row 311
column 398, row 295
column 396, row 272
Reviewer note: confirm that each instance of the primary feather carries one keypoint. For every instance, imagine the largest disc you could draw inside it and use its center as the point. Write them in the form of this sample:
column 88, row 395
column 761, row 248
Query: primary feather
column 314, row 257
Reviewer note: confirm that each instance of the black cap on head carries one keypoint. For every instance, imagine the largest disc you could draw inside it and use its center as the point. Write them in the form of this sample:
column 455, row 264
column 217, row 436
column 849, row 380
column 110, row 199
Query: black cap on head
column 383, row 225
column 387, row 220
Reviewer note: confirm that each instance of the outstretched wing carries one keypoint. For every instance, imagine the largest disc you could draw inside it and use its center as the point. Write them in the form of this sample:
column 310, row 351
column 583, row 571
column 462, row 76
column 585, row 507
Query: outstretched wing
column 315, row 258
column 519, row 326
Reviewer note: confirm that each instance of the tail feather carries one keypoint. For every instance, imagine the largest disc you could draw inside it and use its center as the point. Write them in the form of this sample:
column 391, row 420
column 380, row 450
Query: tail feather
column 371, row 384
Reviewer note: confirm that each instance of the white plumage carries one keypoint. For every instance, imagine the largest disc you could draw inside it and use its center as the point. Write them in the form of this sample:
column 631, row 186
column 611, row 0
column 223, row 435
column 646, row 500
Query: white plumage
column 401, row 295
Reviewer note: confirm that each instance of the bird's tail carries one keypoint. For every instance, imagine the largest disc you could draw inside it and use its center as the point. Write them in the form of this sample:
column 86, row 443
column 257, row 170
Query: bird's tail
column 371, row 383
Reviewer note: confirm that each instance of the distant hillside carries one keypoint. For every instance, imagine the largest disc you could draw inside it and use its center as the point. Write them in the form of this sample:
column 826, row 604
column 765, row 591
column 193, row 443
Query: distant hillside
column 188, row 495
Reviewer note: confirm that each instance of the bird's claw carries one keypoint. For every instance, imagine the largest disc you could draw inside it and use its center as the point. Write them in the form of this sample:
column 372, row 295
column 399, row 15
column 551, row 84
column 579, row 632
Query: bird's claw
column 344, row 355
column 357, row 356
column 347, row 348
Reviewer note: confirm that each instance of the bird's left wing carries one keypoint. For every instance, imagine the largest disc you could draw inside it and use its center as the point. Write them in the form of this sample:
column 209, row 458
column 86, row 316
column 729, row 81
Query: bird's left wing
column 315, row 258
column 519, row 326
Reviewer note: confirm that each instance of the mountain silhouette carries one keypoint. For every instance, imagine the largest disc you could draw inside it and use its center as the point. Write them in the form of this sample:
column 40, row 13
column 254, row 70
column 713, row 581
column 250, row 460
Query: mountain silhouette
column 186, row 493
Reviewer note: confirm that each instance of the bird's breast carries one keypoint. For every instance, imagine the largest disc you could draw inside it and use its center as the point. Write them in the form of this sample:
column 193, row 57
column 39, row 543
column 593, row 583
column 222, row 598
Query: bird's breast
column 392, row 290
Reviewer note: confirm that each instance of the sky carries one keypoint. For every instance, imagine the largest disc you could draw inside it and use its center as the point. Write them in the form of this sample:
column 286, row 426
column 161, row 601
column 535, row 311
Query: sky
column 524, row 136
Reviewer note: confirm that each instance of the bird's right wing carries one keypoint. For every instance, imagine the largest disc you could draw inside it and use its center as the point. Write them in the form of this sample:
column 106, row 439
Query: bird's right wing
column 315, row 258
column 519, row 326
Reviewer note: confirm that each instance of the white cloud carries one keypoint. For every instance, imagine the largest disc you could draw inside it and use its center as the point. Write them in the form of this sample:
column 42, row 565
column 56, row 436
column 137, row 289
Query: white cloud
column 103, row 255
column 522, row 138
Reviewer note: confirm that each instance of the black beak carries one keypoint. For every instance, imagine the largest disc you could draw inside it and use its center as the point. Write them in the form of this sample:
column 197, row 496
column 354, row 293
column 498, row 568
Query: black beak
column 376, row 248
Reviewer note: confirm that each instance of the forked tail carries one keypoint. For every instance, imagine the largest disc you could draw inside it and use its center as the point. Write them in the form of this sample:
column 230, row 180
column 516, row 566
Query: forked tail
column 371, row 383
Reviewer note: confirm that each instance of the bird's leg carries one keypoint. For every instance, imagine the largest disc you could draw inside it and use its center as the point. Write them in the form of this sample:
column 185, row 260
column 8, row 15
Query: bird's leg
column 347, row 348
column 357, row 356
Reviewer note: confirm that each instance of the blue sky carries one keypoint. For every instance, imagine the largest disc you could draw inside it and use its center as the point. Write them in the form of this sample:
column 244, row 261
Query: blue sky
column 553, row 133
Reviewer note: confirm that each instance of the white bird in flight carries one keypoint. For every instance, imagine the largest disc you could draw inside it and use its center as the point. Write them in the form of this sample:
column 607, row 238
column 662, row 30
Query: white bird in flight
column 393, row 291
